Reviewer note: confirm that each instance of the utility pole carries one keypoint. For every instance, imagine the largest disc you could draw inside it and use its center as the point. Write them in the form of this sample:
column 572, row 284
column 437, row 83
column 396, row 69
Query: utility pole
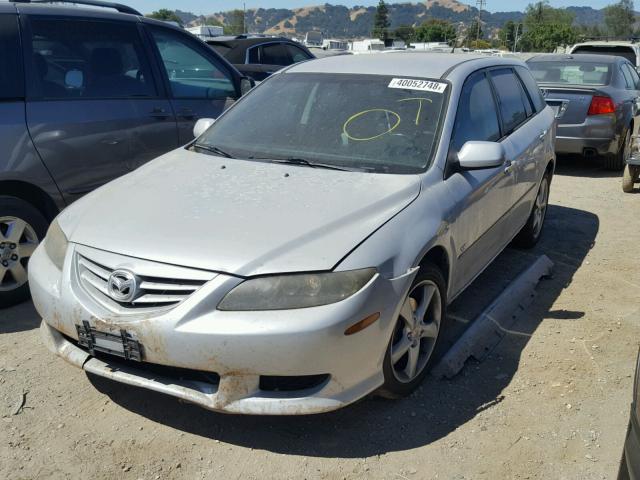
column 480, row 5
column 515, row 40
column 244, row 17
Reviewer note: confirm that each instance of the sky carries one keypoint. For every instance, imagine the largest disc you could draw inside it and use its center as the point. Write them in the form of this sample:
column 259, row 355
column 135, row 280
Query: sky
column 211, row 6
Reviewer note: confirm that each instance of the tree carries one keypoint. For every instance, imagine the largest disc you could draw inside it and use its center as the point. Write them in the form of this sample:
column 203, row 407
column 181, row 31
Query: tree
column 406, row 33
column 620, row 18
column 236, row 23
column 546, row 28
column 436, row 30
column 480, row 44
column 381, row 22
column 212, row 21
column 166, row 16
column 472, row 32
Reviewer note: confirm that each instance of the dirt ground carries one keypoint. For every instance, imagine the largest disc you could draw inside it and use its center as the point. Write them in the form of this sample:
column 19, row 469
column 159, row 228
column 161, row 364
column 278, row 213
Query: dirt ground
column 550, row 402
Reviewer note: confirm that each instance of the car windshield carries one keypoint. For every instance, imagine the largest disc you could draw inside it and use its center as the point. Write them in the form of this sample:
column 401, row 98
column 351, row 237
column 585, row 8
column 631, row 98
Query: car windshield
column 361, row 122
column 574, row 73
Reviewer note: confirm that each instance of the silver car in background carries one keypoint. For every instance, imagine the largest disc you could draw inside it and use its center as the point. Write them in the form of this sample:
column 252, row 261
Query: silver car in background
column 596, row 99
column 301, row 252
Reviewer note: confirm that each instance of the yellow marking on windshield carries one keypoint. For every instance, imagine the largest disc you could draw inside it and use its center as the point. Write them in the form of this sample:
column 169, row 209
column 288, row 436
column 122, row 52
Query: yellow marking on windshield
column 345, row 127
column 419, row 99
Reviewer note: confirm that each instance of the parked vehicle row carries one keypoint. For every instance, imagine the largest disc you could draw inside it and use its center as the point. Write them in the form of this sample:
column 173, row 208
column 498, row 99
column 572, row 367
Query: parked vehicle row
column 101, row 93
column 301, row 252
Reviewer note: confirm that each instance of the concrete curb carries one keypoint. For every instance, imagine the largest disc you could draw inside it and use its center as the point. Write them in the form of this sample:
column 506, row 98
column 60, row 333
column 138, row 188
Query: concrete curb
column 494, row 322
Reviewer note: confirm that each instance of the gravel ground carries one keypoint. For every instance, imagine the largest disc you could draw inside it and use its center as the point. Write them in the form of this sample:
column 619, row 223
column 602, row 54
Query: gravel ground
column 551, row 400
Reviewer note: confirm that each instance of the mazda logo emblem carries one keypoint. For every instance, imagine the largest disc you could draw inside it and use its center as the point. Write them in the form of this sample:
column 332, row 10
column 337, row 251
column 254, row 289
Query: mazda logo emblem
column 122, row 286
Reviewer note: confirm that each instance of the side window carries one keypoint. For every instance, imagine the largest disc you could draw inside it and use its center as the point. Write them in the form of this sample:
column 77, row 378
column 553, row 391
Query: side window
column 253, row 55
column 297, row 54
column 191, row 73
column 87, row 59
column 275, row 54
column 532, row 87
column 511, row 98
column 627, row 77
column 476, row 117
column 635, row 79
column 11, row 80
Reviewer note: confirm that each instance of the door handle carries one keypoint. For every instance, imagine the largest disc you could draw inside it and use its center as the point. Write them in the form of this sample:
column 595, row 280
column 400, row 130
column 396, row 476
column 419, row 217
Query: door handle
column 543, row 135
column 159, row 113
column 187, row 113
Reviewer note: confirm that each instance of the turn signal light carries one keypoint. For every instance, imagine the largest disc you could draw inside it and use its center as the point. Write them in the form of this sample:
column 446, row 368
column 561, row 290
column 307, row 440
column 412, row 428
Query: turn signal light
column 362, row 324
column 601, row 105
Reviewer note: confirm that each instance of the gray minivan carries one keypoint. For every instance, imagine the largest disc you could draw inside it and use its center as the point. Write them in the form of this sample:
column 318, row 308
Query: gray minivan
column 87, row 95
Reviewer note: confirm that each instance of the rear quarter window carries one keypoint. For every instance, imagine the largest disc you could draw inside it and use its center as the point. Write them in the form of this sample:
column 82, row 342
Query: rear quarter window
column 11, row 78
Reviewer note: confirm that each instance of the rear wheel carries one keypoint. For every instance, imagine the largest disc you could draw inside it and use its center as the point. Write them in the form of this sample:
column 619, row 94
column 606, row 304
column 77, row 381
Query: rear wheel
column 416, row 333
column 22, row 227
column 630, row 176
column 617, row 161
column 532, row 230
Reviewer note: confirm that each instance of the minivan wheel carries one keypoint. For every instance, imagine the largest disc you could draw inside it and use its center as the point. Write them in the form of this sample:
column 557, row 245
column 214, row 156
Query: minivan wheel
column 532, row 230
column 416, row 333
column 22, row 227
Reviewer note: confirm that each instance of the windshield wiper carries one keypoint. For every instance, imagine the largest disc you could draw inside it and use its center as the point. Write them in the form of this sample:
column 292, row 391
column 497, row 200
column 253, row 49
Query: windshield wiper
column 213, row 149
column 302, row 162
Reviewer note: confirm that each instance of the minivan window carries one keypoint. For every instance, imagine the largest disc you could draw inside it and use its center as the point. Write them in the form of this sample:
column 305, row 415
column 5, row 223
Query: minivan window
column 369, row 122
column 11, row 81
column 477, row 116
column 532, row 87
column 87, row 59
column 619, row 51
column 296, row 53
column 191, row 74
column 511, row 98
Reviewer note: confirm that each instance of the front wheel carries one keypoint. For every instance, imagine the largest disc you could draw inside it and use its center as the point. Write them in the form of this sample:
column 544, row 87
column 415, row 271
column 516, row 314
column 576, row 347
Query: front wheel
column 630, row 176
column 22, row 227
column 415, row 334
column 532, row 230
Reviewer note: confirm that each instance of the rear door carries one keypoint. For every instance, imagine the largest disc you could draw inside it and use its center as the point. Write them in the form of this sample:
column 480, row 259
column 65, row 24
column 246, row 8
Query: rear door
column 481, row 228
column 200, row 83
column 93, row 109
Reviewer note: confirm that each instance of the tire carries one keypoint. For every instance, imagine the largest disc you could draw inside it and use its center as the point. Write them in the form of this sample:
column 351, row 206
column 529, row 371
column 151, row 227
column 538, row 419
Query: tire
column 616, row 162
column 422, row 340
column 532, row 231
column 629, row 177
column 22, row 228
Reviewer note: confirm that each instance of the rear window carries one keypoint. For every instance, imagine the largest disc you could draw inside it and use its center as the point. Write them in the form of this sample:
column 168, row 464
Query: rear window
column 574, row 73
column 621, row 51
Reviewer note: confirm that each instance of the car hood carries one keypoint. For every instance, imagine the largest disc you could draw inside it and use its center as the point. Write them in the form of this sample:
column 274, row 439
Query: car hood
column 239, row 217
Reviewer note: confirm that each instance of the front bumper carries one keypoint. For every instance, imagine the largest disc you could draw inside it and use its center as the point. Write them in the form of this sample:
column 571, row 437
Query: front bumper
column 240, row 348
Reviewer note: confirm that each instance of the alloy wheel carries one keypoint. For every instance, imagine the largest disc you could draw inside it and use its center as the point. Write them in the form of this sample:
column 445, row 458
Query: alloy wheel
column 416, row 331
column 540, row 206
column 18, row 240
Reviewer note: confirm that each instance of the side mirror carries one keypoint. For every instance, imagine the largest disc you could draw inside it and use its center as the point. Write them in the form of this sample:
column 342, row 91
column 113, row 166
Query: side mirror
column 201, row 126
column 246, row 84
column 474, row 155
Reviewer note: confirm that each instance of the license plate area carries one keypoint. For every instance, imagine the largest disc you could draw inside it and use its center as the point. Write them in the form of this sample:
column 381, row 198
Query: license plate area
column 122, row 344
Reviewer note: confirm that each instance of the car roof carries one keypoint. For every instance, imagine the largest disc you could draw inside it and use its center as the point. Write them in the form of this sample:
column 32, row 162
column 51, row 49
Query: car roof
column 582, row 57
column 70, row 10
column 400, row 63
column 245, row 42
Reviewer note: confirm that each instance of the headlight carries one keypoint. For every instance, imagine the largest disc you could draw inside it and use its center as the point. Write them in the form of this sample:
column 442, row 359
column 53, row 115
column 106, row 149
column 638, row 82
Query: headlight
column 55, row 244
column 286, row 292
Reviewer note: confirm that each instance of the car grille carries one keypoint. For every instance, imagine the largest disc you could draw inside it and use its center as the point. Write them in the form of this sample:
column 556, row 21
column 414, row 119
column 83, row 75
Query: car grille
column 155, row 292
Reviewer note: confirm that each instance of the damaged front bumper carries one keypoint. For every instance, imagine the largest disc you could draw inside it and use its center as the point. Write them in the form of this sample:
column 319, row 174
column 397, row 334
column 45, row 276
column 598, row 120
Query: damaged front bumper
column 238, row 354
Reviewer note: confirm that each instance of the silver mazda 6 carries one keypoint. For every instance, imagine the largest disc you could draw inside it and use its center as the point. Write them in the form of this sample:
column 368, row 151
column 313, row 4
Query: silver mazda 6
column 301, row 252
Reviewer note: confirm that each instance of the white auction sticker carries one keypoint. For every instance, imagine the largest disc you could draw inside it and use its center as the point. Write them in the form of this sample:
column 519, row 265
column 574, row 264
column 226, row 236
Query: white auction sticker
column 423, row 85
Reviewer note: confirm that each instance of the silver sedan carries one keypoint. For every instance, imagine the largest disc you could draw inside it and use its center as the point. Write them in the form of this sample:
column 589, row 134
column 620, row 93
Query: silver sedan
column 301, row 252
